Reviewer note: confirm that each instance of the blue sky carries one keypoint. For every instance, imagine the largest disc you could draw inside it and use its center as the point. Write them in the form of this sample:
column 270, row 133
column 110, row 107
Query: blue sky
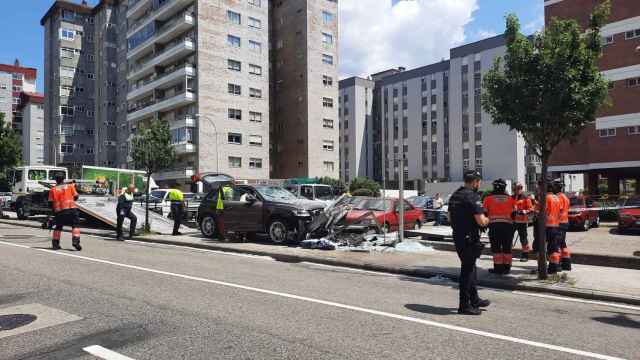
column 23, row 35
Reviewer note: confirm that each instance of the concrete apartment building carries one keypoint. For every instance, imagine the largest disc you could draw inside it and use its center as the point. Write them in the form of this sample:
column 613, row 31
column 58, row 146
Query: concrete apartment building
column 16, row 79
column 431, row 118
column 304, row 42
column 608, row 150
column 6, row 96
column 32, row 109
column 356, row 128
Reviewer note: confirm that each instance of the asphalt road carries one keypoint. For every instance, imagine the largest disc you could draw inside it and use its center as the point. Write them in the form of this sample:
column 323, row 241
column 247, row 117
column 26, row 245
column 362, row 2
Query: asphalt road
column 160, row 302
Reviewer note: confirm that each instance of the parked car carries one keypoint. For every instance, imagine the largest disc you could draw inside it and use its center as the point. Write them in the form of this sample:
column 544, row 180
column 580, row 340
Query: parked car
column 629, row 219
column 424, row 203
column 387, row 212
column 579, row 216
column 263, row 209
column 159, row 202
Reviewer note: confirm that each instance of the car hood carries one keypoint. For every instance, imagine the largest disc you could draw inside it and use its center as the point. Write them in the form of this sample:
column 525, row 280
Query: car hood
column 355, row 214
column 302, row 204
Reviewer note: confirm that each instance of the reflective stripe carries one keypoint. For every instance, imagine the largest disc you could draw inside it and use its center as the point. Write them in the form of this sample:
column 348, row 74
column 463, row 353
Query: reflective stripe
column 500, row 220
column 75, row 232
column 526, row 248
column 128, row 197
column 497, row 259
column 565, row 253
column 554, row 258
column 56, row 234
column 507, row 259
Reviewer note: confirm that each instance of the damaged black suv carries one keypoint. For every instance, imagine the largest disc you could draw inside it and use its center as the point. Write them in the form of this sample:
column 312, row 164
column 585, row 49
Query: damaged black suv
column 261, row 209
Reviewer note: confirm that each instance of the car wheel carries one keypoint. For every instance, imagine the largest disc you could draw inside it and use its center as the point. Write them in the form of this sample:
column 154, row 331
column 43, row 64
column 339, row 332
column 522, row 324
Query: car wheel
column 21, row 213
column 417, row 225
column 208, row 226
column 278, row 231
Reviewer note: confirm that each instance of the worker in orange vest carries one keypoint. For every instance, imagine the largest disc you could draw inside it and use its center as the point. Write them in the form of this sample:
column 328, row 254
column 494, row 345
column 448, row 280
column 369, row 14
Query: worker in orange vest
column 500, row 209
column 553, row 207
column 565, row 204
column 63, row 198
column 524, row 207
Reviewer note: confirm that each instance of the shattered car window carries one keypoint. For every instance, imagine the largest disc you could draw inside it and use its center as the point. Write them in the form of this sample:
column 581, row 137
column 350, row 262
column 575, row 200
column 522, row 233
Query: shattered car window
column 376, row 205
column 274, row 193
column 324, row 192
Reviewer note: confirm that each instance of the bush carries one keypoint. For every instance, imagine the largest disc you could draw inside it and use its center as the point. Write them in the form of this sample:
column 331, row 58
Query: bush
column 362, row 192
column 364, row 183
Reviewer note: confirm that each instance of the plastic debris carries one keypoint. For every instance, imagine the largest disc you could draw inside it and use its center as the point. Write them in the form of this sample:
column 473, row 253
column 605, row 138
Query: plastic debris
column 413, row 247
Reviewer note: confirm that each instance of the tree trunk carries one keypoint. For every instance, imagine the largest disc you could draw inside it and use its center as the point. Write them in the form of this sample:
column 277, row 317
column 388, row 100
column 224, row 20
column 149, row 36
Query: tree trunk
column 542, row 219
column 147, row 226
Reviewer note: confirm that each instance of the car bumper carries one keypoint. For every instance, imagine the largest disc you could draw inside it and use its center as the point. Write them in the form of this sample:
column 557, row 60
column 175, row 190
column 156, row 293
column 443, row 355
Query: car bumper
column 633, row 223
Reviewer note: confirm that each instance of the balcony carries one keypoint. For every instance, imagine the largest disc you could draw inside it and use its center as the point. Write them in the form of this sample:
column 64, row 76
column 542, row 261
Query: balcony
column 137, row 8
column 146, row 14
column 168, row 55
column 164, row 81
column 163, row 35
column 183, row 121
column 184, row 148
column 174, row 174
column 163, row 104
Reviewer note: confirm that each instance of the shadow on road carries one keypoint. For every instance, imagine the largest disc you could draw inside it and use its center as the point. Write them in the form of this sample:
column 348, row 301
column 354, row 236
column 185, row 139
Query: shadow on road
column 619, row 319
column 616, row 231
column 433, row 310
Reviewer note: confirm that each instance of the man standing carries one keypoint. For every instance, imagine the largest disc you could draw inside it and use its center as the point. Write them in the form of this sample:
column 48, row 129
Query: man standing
column 123, row 210
column 467, row 217
column 501, row 210
column 176, row 197
column 552, row 211
column 62, row 198
column 565, row 254
column 524, row 206
column 438, row 203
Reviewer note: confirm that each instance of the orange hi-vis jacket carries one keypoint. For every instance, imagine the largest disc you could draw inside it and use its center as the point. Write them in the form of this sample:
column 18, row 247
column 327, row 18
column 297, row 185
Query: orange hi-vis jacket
column 564, row 211
column 63, row 197
column 499, row 208
column 552, row 210
column 523, row 207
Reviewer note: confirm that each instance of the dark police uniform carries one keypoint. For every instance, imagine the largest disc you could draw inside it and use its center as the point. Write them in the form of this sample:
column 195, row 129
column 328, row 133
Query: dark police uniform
column 463, row 205
column 123, row 210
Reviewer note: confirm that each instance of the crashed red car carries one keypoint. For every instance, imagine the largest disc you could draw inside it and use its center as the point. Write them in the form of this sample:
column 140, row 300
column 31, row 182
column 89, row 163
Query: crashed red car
column 629, row 219
column 387, row 213
column 580, row 217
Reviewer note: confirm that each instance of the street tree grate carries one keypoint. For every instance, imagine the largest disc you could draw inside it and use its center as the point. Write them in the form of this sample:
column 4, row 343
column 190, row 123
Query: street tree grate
column 14, row 321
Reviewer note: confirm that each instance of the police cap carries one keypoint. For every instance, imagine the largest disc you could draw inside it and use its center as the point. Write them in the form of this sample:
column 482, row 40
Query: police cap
column 472, row 175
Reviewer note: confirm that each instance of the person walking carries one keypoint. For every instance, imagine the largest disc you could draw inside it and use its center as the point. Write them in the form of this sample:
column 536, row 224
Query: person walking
column 438, row 203
column 176, row 197
column 552, row 224
column 123, row 210
column 524, row 207
column 225, row 192
column 467, row 217
column 62, row 198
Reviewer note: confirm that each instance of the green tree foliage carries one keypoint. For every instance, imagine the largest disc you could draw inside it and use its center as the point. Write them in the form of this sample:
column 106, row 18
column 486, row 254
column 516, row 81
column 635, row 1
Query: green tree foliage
column 338, row 186
column 548, row 88
column 364, row 183
column 10, row 151
column 152, row 152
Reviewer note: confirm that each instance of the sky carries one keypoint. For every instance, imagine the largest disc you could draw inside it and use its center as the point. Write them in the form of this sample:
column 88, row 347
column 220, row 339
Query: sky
column 374, row 34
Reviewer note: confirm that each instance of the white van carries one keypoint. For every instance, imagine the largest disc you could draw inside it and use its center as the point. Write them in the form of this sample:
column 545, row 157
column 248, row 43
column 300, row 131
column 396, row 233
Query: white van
column 26, row 179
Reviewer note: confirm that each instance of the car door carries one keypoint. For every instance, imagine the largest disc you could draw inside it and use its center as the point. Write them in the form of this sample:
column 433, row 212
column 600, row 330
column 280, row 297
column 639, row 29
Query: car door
column 240, row 215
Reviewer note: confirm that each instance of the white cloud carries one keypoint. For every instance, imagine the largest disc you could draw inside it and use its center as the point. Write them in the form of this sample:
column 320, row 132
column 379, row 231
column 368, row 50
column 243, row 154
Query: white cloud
column 533, row 26
column 483, row 34
column 376, row 35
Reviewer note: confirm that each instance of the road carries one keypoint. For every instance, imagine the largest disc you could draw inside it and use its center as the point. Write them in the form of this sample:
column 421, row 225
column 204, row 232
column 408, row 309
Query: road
column 144, row 301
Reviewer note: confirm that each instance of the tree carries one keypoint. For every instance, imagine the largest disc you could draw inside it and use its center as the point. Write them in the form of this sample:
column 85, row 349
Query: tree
column 548, row 89
column 151, row 152
column 10, row 149
column 364, row 183
column 338, row 186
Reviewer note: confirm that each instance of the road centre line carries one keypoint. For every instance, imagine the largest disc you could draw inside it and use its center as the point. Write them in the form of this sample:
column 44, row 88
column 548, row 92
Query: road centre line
column 337, row 305
column 104, row 353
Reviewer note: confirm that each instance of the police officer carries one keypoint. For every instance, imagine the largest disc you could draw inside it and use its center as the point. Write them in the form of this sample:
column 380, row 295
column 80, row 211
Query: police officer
column 500, row 209
column 176, row 197
column 62, row 198
column 524, row 207
column 467, row 217
column 565, row 254
column 123, row 210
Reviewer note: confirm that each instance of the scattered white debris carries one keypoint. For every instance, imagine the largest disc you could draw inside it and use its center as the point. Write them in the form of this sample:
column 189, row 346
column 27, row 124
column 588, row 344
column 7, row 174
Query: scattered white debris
column 412, row 247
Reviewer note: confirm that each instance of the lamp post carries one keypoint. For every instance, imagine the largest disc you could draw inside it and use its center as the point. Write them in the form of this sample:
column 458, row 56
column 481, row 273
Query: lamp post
column 215, row 134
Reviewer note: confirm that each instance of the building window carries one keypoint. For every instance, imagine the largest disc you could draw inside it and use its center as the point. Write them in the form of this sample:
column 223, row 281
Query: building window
column 328, row 145
column 255, row 117
column 234, row 138
column 234, row 89
column 256, row 3
column 234, row 17
column 633, row 82
column 235, row 114
column 327, row 102
column 66, row 148
column 327, row 39
column 255, row 163
column 91, row 76
column 607, row 40
column 327, row 59
column 328, row 165
column 327, row 80
column 67, row 34
column 632, row 34
column 633, row 130
column 68, row 15
column 235, row 162
column 255, row 93
column 255, row 46
column 255, row 69
column 255, row 23
column 67, row 53
column 66, row 110
column 255, row 140
column 327, row 17
column 327, row 123
column 234, row 65
column 233, row 41
column 607, row 132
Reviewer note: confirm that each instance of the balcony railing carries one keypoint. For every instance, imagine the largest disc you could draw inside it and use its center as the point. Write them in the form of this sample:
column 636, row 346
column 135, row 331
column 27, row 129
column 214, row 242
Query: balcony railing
column 156, row 58
column 146, row 86
column 161, row 104
column 151, row 14
column 177, row 25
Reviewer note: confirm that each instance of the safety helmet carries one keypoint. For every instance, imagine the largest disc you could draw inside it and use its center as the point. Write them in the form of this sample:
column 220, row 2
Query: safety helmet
column 499, row 185
column 472, row 175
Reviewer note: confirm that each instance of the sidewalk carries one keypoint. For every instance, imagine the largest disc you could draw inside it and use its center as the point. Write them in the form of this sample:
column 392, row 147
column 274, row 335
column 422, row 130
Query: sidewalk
column 585, row 281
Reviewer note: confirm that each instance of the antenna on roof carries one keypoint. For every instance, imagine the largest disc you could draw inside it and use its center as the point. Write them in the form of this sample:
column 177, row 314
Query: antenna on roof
column 16, row 63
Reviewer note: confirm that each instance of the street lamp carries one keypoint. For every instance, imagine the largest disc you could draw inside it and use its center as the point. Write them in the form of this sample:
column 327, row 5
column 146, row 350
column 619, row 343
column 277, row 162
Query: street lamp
column 215, row 134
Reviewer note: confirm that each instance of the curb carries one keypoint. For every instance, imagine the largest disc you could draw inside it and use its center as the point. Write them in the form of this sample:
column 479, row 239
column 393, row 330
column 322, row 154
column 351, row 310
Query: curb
column 582, row 294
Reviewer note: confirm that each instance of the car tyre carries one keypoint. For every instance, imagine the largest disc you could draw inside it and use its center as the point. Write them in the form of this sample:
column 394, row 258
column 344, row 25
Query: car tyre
column 278, row 231
column 21, row 212
column 208, row 226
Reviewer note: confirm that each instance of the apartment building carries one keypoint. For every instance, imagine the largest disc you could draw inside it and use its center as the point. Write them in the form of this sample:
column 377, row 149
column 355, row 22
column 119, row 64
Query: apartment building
column 304, row 41
column 431, row 119
column 16, row 79
column 607, row 151
column 32, row 109
column 355, row 125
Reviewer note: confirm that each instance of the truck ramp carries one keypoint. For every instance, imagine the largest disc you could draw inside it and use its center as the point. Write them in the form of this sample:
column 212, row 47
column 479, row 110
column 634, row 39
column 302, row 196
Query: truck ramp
column 103, row 208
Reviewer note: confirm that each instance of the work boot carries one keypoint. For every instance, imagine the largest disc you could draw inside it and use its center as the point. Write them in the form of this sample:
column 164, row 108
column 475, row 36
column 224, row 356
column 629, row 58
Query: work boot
column 498, row 269
column 131, row 235
column 76, row 245
column 55, row 244
column 553, row 268
column 469, row 311
column 524, row 257
column 482, row 303
column 565, row 264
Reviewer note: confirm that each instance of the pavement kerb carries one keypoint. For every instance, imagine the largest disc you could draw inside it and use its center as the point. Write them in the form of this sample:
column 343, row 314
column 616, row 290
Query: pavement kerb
column 422, row 273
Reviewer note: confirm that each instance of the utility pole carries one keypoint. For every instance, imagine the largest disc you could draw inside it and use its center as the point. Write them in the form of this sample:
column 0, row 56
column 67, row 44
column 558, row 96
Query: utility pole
column 401, row 198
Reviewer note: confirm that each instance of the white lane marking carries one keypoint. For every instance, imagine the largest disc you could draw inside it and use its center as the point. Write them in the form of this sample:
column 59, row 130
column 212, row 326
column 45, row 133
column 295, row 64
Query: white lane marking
column 338, row 305
column 104, row 353
column 583, row 301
